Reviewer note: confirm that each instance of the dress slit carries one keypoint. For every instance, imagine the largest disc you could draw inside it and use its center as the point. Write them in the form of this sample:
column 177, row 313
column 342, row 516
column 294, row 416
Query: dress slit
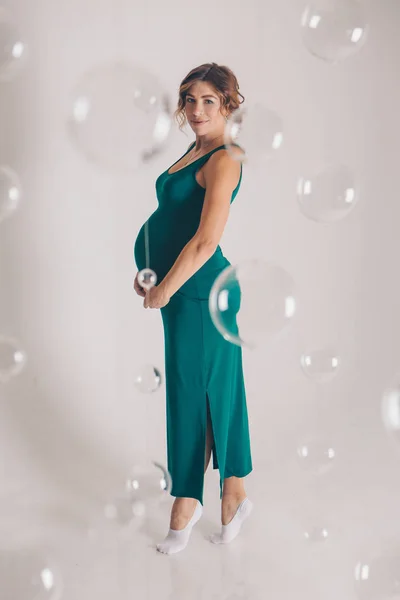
column 214, row 448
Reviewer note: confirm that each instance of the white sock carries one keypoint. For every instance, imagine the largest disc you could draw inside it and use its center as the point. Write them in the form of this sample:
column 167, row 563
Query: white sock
column 177, row 539
column 230, row 531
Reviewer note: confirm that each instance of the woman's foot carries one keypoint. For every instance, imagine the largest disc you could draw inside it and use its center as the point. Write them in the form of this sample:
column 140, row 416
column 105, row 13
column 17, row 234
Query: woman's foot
column 234, row 511
column 185, row 514
column 229, row 506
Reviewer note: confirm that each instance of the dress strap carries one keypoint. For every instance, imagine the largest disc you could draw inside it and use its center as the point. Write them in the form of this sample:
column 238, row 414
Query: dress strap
column 208, row 154
column 203, row 159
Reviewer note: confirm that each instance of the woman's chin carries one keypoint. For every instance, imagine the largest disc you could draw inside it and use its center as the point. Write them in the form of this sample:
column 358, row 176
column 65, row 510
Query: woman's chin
column 199, row 127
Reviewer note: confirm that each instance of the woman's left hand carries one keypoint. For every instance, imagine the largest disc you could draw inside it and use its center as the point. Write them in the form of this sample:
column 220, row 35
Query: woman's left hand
column 156, row 297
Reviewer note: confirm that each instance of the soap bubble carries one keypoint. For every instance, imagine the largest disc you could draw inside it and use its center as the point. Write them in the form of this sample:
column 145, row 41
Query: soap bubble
column 316, row 455
column 120, row 511
column 120, row 116
column 329, row 195
column 148, row 485
column 390, row 411
column 316, row 533
column 147, row 278
column 378, row 577
column 12, row 358
column 334, row 29
column 27, row 574
column 258, row 131
column 148, row 380
column 320, row 364
column 252, row 302
column 13, row 49
column 10, row 192
column 119, row 515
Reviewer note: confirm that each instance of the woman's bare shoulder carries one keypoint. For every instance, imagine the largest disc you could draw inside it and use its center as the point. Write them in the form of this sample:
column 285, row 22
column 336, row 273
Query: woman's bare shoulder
column 236, row 150
column 228, row 154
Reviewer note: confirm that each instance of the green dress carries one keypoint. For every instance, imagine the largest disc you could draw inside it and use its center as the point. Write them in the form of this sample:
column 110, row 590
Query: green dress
column 202, row 369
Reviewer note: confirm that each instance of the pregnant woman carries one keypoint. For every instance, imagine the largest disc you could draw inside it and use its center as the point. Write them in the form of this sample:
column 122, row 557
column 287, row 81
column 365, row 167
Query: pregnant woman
column 205, row 392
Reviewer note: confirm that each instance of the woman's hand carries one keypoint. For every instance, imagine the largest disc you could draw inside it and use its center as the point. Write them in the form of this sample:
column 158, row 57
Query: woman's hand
column 138, row 288
column 156, row 297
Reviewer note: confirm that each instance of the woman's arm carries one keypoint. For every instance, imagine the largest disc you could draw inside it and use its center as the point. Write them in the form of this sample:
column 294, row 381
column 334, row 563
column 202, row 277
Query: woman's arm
column 221, row 174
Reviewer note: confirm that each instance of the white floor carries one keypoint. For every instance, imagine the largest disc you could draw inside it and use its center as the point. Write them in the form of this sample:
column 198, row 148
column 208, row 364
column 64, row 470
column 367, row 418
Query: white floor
column 353, row 521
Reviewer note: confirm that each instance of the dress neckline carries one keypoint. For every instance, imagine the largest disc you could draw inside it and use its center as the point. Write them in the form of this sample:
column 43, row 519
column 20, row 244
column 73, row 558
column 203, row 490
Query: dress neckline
column 193, row 162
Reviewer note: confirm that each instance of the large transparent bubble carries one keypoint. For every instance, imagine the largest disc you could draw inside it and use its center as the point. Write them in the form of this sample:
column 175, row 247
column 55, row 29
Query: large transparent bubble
column 12, row 358
column 10, row 192
column 378, row 577
column 257, row 130
column 252, row 302
column 120, row 116
column 332, row 30
column 328, row 195
column 390, row 411
column 13, row 49
column 27, row 573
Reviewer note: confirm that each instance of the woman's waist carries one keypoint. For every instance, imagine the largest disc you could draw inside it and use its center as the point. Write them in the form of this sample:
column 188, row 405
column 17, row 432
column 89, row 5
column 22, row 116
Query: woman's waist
column 199, row 285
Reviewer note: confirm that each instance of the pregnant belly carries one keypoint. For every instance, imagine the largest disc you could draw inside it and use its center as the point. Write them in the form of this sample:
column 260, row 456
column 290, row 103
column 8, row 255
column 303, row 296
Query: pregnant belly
column 160, row 241
column 160, row 246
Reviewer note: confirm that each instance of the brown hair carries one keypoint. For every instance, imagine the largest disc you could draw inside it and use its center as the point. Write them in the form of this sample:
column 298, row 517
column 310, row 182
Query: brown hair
column 221, row 78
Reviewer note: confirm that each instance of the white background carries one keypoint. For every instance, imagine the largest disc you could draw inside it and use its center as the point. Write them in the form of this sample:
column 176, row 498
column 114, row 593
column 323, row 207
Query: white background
column 72, row 424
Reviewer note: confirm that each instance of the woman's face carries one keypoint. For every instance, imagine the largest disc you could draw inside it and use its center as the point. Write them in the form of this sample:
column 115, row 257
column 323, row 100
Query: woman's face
column 203, row 108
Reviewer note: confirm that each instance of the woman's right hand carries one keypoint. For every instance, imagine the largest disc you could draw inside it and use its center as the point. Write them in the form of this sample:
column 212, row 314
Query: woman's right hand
column 138, row 288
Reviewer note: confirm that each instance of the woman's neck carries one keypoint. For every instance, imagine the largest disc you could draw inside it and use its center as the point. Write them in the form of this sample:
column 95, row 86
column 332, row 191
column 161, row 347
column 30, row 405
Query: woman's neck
column 204, row 142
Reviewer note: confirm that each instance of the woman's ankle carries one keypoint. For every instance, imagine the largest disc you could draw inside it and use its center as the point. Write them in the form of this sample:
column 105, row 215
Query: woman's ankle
column 238, row 496
column 182, row 511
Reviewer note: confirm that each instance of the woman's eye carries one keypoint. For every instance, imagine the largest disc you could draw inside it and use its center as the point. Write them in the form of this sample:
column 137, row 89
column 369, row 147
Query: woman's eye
column 192, row 100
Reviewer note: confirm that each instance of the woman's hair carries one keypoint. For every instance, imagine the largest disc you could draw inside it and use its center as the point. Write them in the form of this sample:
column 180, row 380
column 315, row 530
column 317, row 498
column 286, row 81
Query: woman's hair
column 221, row 78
